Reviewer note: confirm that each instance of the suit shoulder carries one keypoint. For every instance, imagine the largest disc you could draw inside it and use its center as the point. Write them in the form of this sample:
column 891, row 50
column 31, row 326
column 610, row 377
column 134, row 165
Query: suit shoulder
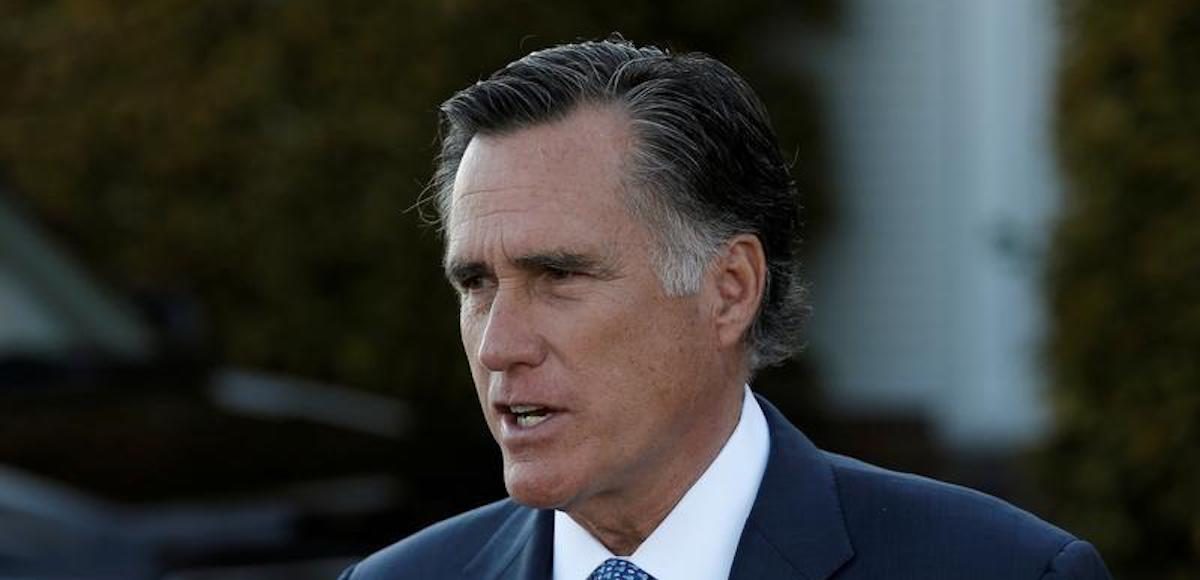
column 440, row 550
column 908, row 514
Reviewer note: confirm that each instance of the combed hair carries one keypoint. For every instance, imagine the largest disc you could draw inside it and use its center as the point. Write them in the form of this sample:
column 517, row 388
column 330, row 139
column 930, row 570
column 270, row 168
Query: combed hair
column 705, row 164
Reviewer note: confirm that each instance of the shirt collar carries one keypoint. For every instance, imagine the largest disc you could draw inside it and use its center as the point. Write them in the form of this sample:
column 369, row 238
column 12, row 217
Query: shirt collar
column 705, row 525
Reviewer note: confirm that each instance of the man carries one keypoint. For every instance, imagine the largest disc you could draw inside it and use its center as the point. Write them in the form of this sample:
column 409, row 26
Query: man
column 619, row 224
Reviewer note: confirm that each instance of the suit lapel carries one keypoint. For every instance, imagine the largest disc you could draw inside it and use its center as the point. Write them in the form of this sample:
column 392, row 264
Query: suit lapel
column 795, row 529
column 521, row 549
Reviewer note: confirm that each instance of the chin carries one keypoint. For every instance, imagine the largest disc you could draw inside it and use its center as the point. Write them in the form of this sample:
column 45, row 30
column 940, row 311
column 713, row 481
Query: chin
column 537, row 488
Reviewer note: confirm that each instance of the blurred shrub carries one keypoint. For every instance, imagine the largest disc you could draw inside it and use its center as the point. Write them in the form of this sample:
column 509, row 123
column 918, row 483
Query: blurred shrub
column 263, row 154
column 1124, row 465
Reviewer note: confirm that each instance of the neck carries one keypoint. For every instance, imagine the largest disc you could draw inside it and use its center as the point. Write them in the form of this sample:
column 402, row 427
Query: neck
column 623, row 519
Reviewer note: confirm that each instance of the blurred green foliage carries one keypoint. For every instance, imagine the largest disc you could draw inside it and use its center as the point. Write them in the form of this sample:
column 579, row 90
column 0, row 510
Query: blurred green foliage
column 263, row 154
column 1123, row 467
column 264, row 157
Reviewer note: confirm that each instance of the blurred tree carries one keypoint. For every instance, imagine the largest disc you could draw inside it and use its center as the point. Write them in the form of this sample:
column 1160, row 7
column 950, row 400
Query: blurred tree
column 262, row 155
column 1123, row 466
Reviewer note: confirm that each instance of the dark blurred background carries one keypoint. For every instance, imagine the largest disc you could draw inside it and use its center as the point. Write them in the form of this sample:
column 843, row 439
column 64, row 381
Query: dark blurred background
column 226, row 351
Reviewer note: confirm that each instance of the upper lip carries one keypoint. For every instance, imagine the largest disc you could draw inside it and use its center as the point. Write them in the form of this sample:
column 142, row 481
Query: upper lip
column 524, row 408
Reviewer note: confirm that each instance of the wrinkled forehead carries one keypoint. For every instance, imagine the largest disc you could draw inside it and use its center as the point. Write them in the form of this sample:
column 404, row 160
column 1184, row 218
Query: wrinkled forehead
column 558, row 179
column 587, row 148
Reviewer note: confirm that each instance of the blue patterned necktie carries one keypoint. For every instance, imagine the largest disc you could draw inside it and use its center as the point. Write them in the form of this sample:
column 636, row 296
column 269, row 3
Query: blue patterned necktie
column 618, row 569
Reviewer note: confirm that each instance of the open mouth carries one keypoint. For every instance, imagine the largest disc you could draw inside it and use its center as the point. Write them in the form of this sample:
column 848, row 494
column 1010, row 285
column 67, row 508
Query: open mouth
column 529, row 415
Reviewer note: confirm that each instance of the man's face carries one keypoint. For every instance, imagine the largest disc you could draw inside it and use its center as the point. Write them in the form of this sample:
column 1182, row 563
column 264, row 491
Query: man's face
column 592, row 380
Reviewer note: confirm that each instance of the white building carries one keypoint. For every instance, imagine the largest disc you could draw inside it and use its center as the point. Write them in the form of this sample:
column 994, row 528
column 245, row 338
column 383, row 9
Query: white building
column 927, row 288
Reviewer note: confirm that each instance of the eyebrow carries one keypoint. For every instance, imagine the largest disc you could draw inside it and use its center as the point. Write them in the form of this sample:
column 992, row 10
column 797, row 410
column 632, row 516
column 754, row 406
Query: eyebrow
column 456, row 272
column 567, row 261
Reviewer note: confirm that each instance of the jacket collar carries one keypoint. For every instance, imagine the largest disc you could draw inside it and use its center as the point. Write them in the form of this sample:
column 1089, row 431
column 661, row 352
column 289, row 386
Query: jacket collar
column 521, row 549
column 795, row 529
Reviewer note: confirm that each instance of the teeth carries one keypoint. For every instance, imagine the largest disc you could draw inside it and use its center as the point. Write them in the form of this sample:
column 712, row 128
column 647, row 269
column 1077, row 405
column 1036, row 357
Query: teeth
column 529, row 415
column 530, row 420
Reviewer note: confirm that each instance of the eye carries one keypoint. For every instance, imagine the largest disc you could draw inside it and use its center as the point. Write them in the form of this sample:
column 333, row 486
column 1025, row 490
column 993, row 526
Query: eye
column 472, row 284
column 559, row 274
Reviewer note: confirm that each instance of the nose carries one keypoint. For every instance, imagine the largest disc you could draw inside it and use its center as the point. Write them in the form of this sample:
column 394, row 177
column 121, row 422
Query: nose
column 510, row 337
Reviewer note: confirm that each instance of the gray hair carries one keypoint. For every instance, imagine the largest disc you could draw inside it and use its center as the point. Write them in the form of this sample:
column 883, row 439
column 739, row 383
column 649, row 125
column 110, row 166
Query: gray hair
column 705, row 165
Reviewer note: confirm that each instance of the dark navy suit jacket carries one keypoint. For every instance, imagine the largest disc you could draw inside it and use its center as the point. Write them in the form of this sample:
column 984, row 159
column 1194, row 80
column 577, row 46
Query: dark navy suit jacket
column 817, row 516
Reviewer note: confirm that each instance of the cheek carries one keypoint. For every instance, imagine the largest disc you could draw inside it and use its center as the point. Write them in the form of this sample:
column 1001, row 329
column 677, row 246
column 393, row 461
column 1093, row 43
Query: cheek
column 656, row 339
column 469, row 331
column 480, row 376
column 663, row 349
column 623, row 356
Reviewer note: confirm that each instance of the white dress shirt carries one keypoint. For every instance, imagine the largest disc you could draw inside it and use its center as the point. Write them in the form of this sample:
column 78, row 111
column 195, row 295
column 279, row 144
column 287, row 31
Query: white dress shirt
column 698, row 539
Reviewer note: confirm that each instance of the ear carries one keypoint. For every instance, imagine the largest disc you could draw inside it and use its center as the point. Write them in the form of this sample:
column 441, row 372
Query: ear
column 739, row 278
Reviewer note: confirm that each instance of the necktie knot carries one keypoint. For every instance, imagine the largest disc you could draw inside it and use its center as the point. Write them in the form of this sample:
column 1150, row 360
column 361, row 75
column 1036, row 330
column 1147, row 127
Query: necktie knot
column 618, row 569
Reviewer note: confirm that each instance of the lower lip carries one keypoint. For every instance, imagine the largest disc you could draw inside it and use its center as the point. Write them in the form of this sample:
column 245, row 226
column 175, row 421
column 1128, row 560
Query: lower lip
column 512, row 434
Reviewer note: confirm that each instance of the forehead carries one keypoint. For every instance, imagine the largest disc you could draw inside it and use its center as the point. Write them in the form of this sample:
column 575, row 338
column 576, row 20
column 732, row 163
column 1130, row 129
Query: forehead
column 562, row 179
